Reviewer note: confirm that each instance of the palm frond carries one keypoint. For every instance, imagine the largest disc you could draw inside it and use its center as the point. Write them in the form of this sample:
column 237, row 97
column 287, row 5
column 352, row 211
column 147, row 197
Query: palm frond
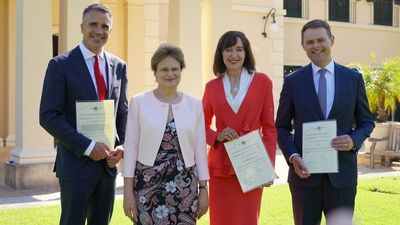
column 382, row 81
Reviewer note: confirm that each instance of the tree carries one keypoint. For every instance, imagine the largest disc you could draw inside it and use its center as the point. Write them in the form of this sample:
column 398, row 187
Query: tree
column 382, row 83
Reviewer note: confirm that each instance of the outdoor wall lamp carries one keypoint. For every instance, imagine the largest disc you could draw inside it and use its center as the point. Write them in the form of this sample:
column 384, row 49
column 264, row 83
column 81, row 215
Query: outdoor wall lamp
column 274, row 26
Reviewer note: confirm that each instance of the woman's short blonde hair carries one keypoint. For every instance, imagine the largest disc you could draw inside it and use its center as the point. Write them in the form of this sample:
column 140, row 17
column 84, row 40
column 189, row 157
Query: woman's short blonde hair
column 164, row 51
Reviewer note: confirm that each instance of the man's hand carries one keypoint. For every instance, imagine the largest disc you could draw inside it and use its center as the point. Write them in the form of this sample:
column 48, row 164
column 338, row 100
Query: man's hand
column 100, row 151
column 342, row 143
column 299, row 168
column 115, row 156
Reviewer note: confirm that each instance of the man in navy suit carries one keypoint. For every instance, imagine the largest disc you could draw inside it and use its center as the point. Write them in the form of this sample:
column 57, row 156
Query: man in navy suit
column 86, row 169
column 344, row 101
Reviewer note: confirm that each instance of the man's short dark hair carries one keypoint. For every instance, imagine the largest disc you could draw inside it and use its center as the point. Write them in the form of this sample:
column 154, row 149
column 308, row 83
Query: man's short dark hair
column 96, row 7
column 314, row 24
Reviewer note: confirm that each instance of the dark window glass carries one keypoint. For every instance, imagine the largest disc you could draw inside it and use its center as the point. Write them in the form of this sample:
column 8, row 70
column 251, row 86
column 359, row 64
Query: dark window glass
column 383, row 12
column 55, row 45
column 287, row 69
column 293, row 8
column 339, row 10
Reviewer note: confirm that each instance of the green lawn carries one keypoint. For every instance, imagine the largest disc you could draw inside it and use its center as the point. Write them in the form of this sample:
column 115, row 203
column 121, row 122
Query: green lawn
column 377, row 203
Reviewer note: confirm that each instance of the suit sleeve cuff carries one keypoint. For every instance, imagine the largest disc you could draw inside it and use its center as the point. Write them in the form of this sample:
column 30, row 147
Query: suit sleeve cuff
column 89, row 148
column 294, row 154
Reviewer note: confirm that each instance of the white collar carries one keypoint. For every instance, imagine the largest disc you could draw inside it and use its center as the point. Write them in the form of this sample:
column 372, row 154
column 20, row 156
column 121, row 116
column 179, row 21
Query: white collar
column 87, row 54
column 330, row 67
column 245, row 72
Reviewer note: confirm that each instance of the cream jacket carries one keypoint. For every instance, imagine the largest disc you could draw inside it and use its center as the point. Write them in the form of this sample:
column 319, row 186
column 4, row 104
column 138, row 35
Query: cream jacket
column 147, row 117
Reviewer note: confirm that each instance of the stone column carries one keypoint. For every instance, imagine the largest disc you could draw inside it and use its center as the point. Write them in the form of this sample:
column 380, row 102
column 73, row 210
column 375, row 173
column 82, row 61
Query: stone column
column 4, row 87
column 151, row 39
column 70, row 23
column 31, row 161
column 135, row 14
column 185, row 31
column 116, row 43
column 216, row 20
column 11, row 73
column 3, row 73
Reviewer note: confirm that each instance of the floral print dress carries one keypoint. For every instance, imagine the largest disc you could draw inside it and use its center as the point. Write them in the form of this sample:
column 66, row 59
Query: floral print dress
column 167, row 192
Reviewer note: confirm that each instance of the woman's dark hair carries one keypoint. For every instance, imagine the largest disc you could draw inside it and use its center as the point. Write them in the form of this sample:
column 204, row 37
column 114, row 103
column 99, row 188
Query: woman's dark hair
column 227, row 40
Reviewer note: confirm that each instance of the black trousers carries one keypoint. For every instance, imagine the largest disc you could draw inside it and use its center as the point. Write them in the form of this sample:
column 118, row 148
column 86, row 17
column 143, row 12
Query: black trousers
column 91, row 199
column 309, row 202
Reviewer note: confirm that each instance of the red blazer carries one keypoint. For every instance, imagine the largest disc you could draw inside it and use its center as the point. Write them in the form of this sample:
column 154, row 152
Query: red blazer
column 255, row 112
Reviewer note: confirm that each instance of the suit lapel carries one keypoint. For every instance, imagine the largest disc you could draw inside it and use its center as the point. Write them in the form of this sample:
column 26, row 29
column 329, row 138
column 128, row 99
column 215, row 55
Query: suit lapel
column 310, row 88
column 83, row 73
column 339, row 85
column 110, row 67
column 250, row 94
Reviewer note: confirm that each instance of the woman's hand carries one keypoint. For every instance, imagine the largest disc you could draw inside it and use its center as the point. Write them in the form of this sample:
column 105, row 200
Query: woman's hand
column 202, row 203
column 115, row 156
column 269, row 184
column 130, row 207
column 227, row 134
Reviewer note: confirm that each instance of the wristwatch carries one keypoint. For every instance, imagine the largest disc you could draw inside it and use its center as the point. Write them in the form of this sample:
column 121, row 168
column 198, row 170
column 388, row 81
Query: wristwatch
column 205, row 187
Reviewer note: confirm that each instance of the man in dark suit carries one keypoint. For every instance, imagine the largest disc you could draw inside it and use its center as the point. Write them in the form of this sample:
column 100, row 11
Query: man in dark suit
column 86, row 169
column 342, row 98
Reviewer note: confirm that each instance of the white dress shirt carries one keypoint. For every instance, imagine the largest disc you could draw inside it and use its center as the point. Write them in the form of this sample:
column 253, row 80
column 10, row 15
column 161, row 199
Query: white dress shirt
column 330, row 87
column 330, row 83
column 89, row 60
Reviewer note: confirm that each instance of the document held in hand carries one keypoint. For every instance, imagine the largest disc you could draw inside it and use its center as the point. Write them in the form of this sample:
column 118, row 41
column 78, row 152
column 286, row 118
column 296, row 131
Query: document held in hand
column 250, row 161
column 95, row 120
column 318, row 155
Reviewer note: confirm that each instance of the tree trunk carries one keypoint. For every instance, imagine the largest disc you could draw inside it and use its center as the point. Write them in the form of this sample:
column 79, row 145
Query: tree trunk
column 381, row 117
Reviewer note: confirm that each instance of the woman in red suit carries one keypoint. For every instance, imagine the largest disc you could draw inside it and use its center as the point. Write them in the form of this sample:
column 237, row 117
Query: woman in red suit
column 241, row 101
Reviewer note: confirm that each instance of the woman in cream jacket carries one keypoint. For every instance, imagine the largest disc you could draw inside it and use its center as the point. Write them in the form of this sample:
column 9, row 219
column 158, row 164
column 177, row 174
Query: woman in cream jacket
column 165, row 169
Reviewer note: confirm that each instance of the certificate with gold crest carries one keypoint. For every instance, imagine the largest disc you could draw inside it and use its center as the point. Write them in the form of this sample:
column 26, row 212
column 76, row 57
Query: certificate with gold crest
column 95, row 120
column 250, row 161
column 318, row 155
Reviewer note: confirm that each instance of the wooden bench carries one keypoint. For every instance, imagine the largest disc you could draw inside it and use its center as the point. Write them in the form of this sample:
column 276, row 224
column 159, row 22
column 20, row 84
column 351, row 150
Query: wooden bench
column 392, row 149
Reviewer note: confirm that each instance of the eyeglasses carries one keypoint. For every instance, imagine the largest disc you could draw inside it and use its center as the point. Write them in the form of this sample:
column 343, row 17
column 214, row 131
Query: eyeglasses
column 165, row 71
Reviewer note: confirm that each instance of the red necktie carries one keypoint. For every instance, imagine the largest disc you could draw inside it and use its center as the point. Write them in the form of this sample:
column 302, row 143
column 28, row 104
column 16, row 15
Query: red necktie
column 101, row 86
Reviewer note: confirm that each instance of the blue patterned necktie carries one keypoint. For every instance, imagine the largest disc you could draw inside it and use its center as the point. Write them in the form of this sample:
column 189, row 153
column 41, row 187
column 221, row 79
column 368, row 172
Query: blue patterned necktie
column 322, row 91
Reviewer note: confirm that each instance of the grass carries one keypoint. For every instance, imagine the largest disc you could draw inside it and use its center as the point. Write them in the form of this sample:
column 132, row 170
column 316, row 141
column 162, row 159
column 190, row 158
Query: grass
column 377, row 203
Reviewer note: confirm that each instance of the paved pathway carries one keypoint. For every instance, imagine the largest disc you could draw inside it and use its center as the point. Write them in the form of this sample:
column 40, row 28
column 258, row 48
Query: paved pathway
column 12, row 198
